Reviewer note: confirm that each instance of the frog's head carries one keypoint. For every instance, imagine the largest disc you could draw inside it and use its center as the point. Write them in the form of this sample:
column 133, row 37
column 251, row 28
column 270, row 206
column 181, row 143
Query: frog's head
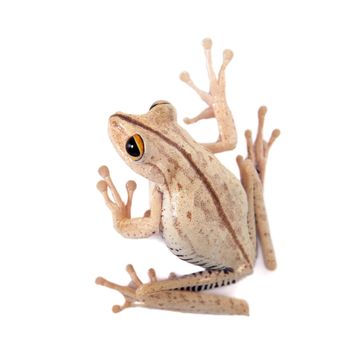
column 143, row 141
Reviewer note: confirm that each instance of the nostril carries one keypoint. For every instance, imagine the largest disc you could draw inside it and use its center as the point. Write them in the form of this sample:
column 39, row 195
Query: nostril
column 114, row 119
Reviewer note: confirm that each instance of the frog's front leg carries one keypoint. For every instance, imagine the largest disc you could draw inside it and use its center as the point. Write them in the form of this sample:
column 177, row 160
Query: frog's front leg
column 178, row 294
column 216, row 101
column 121, row 212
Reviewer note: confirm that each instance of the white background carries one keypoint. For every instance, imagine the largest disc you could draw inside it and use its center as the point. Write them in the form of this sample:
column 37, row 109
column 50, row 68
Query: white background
column 67, row 65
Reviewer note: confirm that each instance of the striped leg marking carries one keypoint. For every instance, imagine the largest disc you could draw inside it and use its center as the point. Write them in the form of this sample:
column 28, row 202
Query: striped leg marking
column 196, row 282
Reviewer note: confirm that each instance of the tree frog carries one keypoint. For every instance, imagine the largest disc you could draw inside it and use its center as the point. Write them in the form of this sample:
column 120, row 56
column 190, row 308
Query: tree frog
column 205, row 215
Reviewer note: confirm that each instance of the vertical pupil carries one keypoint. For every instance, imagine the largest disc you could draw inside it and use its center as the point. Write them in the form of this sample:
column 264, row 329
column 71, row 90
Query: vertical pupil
column 132, row 148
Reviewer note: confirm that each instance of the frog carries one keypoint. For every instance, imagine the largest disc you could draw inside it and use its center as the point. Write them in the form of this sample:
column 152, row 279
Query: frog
column 206, row 215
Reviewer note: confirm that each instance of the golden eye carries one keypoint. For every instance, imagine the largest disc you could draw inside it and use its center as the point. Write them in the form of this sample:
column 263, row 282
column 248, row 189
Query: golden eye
column 134, row 147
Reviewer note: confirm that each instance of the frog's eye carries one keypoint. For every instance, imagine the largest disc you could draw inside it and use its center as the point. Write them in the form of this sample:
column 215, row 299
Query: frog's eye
column 159, row 102
column 135, row 147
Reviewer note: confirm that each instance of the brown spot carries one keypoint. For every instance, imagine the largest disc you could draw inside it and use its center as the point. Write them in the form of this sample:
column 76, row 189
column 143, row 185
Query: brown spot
column 203, row 206
column 174, row 163
column 179, row 186
column 189, row 215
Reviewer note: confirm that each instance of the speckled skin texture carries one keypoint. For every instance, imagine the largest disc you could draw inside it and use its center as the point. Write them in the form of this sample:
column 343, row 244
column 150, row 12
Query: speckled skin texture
column 205, row 215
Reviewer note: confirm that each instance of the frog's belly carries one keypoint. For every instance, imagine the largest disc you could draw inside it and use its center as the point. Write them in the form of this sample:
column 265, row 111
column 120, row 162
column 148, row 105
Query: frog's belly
column 194, row 231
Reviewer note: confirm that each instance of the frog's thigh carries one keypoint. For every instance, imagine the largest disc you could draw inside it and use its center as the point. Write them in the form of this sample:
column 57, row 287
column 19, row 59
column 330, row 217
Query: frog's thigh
column 195, row 302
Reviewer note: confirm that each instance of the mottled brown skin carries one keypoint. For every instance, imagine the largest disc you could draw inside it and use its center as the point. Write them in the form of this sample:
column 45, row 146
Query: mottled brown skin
column 206, row 216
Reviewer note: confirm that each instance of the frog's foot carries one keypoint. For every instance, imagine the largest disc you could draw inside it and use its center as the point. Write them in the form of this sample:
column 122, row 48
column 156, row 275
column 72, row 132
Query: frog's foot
column 259, row 150
column 129, row 291
column 126, row 291
column 155, row 295
column 216, row 83
column 205, row 96
column 216, row 101
column 117, row 206
column 206, row 114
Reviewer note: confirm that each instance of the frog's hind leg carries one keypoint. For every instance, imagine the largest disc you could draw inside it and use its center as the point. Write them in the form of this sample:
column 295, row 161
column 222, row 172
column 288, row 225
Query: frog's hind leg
column 247, row 179
column 206, row 114
column 180, row 293
column 252, row 176
column 196, row 302
column 257, row 216
column 216, row 101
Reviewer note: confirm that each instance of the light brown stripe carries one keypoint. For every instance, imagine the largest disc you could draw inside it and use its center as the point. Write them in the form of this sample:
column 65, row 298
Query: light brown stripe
column 200, row 174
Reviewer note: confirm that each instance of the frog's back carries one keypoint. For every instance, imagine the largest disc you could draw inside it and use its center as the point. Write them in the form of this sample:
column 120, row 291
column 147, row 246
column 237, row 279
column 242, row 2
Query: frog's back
column 205, row 212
